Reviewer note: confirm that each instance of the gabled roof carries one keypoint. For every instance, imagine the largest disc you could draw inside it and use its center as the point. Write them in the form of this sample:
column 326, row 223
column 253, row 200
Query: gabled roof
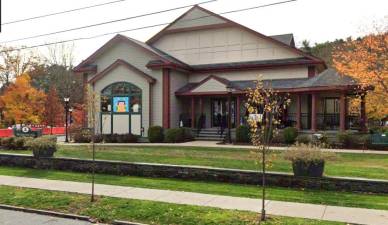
column 118, row 38
column 329, row 79
column 253, row 64
column 189, row 87
column 287, row 39
column 229, row 22
column 120, row 62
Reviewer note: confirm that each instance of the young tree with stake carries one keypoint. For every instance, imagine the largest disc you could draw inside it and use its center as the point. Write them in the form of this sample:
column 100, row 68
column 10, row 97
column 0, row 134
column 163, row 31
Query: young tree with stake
column 265, row 106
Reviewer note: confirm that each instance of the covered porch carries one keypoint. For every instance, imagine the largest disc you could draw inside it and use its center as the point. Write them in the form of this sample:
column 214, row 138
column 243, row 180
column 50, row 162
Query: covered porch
column 320, row 103
column 315, row 111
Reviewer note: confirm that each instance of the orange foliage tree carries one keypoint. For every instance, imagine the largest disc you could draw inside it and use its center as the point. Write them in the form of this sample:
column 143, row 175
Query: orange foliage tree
column 22, row 103
column 366, row 60
column 54, row 110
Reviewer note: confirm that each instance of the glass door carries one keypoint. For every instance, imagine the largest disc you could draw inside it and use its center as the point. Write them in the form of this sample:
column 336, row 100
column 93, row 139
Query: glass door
column 219, row 111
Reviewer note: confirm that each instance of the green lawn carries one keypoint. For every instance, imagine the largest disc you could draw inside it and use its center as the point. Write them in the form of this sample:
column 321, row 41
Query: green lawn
column 274, row 193
column 347, row 164
column 106, row 209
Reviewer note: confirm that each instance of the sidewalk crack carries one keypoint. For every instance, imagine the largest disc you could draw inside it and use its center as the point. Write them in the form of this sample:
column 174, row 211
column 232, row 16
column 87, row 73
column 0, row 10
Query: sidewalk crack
column 324, row 212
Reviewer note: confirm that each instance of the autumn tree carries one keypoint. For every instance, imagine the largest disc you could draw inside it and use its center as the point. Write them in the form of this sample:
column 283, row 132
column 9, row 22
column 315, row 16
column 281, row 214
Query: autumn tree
column 22, row 103
column 366, row 60
column 14, row 62
column 57, row 72
column 53, row 114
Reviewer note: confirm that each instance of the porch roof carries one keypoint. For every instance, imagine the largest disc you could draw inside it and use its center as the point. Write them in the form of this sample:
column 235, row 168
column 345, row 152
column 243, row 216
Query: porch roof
column 329, row 79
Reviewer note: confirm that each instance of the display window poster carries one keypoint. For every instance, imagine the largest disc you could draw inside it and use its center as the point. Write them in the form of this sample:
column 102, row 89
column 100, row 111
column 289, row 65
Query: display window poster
column 120, row 104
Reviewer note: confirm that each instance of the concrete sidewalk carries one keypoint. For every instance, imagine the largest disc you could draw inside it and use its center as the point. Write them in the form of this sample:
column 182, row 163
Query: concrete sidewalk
column 215, row 144
column 302, row 210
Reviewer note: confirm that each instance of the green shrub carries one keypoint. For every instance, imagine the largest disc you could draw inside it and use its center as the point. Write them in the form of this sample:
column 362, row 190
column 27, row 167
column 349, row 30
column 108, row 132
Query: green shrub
column 242, row 134
column 188, row 135
column 126, row 138
column 110, row 138
column 8, row 143
column 118, row 138
column 50, row 137
column 15, row 143
column 42, row 147
column 303, row 139
column 290, row 134
column 174, row 135
column 278, row 138
column 82, row 137
column 98, row 138
column 349, row 140
column 155, row 134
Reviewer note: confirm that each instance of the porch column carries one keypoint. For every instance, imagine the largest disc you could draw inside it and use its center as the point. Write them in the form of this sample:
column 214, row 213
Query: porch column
column 238, row 103
column 298, row 112
column 313, row 112
column 363, row 118
column 192, row 112
column 201, row 105
column 342, row 108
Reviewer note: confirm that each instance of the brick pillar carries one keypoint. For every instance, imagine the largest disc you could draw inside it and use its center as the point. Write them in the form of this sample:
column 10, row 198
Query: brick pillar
column 363, row 118
column 238, row 103
column 201, row 105
column 313, row 112
column 299, row 112
column 192, row 112
column 342, row 108
column 166, row 98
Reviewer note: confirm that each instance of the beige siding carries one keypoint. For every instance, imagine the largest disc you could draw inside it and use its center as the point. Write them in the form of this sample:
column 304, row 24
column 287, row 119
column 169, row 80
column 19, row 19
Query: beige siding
column 196, row 18
column 123, row 74
column 211, row 85
column 139, row 58
column 222, row 45
column 267, row 74
column 177, row 105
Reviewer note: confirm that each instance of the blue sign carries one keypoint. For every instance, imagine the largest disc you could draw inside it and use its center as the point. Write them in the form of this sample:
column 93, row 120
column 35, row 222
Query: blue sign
column 121, row 104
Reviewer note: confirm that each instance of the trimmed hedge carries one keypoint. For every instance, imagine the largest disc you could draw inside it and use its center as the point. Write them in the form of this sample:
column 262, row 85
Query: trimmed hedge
column 15, row 143
column 242, row 134
column 174, row 135
column 303, row 139
column 118, row 138
column 290, row 134
column 188, row 135
column 155, row 134
column 85, row 136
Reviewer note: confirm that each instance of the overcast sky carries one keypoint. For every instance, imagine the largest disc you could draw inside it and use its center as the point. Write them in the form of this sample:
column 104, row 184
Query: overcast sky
column 314, row 20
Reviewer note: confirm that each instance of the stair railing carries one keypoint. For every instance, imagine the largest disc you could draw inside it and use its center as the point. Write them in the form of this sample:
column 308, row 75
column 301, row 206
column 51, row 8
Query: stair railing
column 200, row 123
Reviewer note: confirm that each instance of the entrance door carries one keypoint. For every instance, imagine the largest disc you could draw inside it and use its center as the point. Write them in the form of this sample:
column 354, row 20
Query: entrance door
column 219, row 111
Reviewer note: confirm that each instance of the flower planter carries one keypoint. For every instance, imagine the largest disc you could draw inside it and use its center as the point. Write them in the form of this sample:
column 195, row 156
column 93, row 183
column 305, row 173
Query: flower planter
column 308, row 168
column 43, row 153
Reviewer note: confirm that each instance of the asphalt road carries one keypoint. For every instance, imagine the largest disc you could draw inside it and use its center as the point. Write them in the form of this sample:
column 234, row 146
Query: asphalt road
column 10, row 217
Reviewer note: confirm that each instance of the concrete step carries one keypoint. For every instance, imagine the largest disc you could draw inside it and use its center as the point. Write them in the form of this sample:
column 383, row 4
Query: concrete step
column 208, row 139
column 210, row 132
column 211, row 136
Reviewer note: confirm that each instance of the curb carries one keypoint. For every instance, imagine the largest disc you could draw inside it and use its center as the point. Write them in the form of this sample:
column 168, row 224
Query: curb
column 47, row 213
column 120, row 222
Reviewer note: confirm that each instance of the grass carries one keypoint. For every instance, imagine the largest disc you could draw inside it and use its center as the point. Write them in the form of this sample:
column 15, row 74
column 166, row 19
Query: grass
column 371, row 166
column 106, row 209
column 359, row 200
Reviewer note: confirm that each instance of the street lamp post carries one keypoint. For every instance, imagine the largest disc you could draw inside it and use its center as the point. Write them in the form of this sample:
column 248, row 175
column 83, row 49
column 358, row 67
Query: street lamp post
column 66, row 100
column 70, row 121
column 229, row 90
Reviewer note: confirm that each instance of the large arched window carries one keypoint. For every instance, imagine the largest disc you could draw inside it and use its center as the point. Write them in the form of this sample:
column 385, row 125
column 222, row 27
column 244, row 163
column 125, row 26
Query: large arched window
column 121, row 108
column 121, row 97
